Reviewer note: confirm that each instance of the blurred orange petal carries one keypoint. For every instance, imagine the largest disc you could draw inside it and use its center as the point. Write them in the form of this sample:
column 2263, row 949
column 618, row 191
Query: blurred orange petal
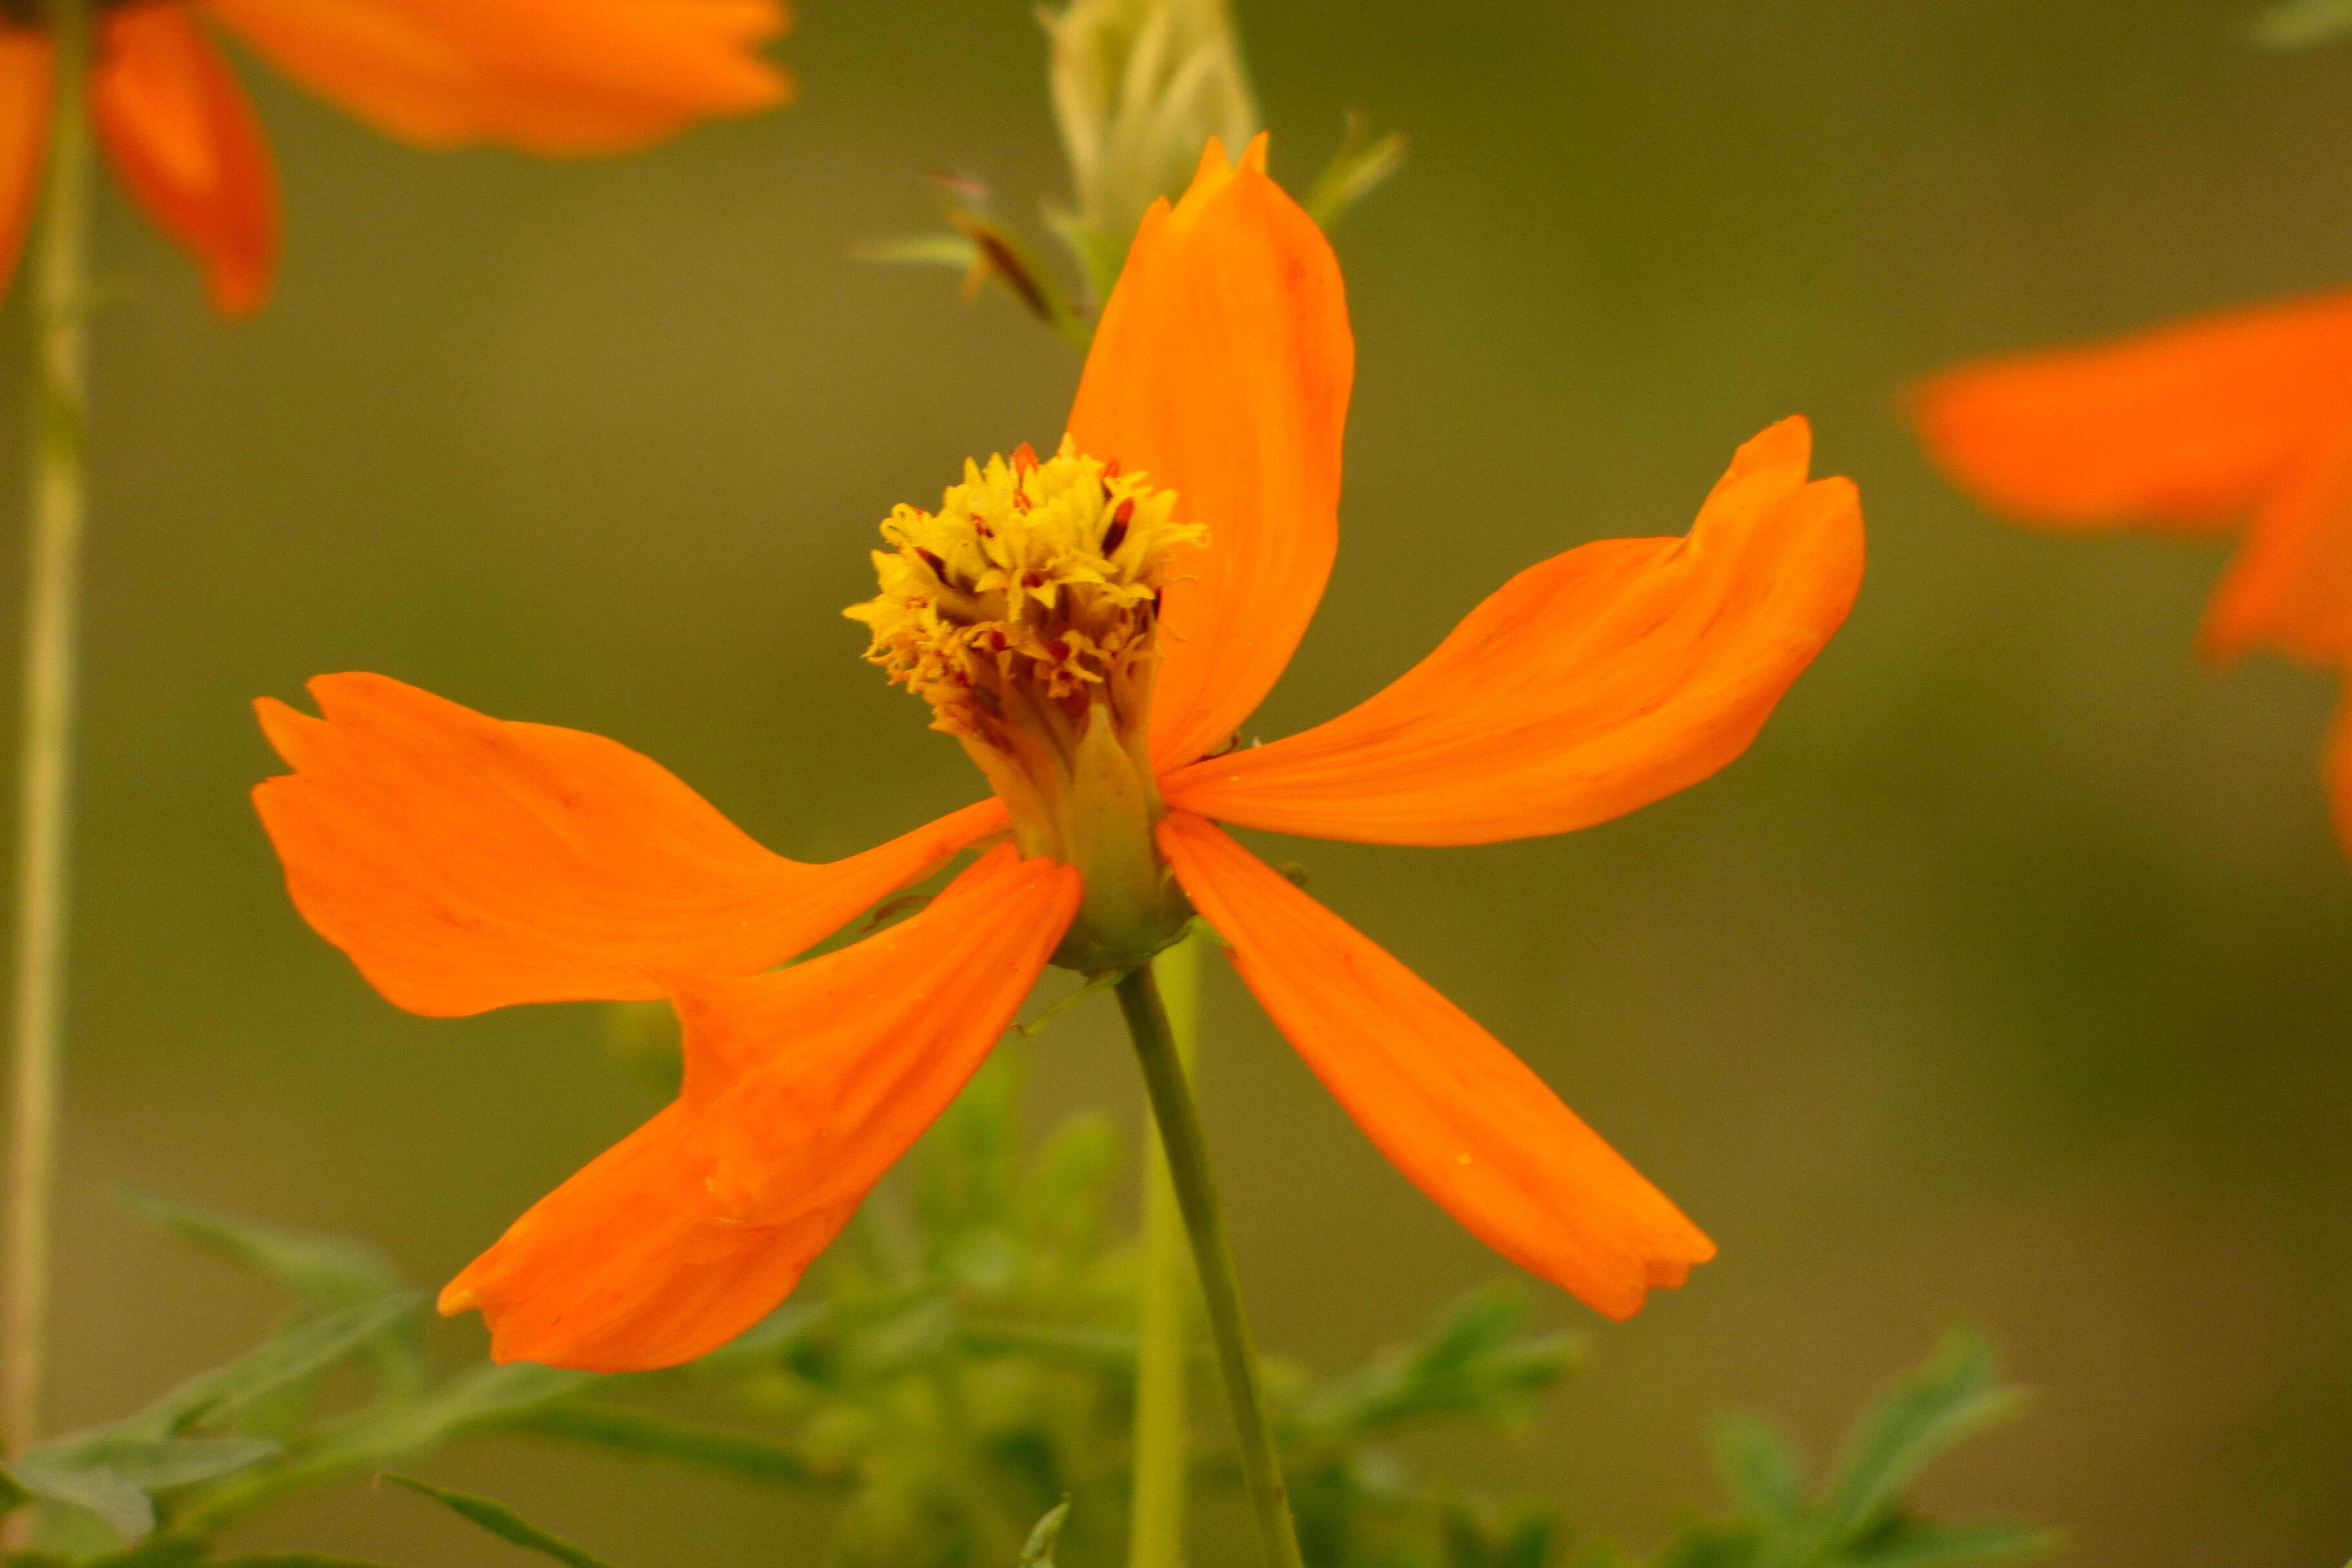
column 1450, row 1107
column 28, row 78
column 803, row 1087
column 1221, row 369
column 546, row 76
column 464, row 863
column 2290, row 586
column 1593, row 683
column 184, row 139
column 2186, row 425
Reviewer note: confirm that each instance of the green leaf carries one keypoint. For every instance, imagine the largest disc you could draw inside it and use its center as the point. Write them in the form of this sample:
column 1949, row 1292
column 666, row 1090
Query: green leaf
column 1954, row 1396
column 166, row 1549
column 1059, row 1202
column 295, row 1352
column 743, row 1454
column 2299, row 24
column 1759, row 1468
column 13, row 1496
column 1360, row 167
column 116, row 1500
column 504, row 1523
column 1473, row 1362
column 1919, row 1544
column 1738, row 1544
column 1039, row 1552
column 325, row 1270
column 157, row 1464
column 486, row 1397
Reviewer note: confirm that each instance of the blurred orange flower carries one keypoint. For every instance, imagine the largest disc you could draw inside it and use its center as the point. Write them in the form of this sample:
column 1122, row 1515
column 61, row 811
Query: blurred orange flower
column 466, row 863
column 546, row 76
column 2238, row 419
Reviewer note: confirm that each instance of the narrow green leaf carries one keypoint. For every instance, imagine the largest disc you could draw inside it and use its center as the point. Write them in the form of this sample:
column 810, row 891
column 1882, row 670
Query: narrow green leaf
column 504, row 1523
column 1760, row 1469
column 487, row 1396
column 1039, row 1552
column 325, row 1270
column 13, row 1496
column 294, row 1353
column 1472, row 1363
column 1954, row 1396
column 743, row 1454
column 2299, row 24
column 156, row 1465
column 1923, row 1544
column 115, row 1499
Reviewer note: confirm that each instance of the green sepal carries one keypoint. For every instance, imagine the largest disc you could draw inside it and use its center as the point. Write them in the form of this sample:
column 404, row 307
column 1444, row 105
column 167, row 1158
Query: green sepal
column 1039, row 1552
column 1363, row 164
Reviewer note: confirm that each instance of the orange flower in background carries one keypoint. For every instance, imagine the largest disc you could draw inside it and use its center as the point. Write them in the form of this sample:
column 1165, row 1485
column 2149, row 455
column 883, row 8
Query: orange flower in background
column 2239, row 420
column 545, row 76
column 1093, row 627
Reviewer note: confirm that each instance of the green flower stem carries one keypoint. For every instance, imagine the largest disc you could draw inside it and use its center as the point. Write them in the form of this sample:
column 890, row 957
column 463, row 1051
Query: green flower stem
column 1187, row 1148
column 45, row 753
column 1162, row 1453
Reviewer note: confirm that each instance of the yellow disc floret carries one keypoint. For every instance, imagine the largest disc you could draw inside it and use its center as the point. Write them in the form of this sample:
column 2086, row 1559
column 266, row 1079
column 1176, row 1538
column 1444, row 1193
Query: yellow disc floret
column 1026, row 612
column 1040, row 574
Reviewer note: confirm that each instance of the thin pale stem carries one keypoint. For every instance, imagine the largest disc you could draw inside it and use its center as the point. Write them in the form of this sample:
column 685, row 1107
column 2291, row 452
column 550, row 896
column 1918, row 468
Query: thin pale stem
column 1178, row 1120
column 45, row 749
column 1162, row 1451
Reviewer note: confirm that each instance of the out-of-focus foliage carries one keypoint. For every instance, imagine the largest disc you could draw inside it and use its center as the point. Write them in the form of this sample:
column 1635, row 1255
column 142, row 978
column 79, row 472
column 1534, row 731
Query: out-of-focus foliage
column 959, row 1378
column 1860, row 1516
column 2298, row 24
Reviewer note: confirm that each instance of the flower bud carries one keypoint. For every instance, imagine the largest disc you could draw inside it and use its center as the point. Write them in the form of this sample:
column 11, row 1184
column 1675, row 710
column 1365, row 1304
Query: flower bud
column 1139, row 86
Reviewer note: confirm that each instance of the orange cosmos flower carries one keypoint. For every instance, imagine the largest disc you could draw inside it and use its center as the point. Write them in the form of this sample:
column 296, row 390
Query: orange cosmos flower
column 1093, row 627
column 2242, row 418
column 546, row 76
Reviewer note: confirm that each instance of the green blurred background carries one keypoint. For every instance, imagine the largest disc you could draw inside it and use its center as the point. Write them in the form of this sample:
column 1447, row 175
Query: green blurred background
column 2008, row 978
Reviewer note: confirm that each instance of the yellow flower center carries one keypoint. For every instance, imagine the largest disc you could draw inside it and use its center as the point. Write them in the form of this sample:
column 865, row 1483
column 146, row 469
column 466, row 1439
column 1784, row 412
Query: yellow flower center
column 1026, row 612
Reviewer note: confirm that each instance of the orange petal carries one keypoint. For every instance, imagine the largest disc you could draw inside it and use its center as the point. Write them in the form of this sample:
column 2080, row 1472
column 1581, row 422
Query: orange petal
column 2186, row 427
column 547, row 75
column 1592, row 684
column 2290, row 586
column 1221, row 369
column 1449, row 1105
column 27, row 76
column 466, row 863
column 803, row 1087
column 183, row 138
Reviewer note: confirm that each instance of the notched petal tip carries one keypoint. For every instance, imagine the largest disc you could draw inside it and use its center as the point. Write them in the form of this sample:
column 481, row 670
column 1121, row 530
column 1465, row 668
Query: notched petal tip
column 464, row 862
